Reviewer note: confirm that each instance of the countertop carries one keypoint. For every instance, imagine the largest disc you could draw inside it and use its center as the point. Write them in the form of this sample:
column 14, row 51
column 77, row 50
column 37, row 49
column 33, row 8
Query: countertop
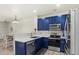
column 24, row 38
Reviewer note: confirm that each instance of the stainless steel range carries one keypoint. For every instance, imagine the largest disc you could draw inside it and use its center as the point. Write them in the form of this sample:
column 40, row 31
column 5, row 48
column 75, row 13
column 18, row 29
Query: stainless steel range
column 55, row 35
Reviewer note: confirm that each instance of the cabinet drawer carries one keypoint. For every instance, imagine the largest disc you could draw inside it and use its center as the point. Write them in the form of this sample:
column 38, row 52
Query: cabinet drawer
column 20, row 48
column 19, row 44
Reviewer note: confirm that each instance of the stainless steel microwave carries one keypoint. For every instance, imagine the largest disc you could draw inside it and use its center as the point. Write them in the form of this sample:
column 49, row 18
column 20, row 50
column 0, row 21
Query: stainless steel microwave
column 55, row 27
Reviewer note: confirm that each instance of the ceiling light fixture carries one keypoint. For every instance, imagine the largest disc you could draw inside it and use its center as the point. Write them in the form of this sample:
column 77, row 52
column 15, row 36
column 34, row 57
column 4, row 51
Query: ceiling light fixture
column 57, row 5
column 15, row 20
column 34, row 11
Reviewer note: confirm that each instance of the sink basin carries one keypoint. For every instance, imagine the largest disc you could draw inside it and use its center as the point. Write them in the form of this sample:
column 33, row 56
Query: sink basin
column 34, row 37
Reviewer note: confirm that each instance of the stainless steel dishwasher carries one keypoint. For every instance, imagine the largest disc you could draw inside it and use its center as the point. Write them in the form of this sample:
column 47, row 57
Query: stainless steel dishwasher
column 30, row 47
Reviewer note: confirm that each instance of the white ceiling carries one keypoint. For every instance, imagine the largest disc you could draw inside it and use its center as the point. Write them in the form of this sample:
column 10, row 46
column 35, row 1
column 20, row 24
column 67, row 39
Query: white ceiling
column 26, row 10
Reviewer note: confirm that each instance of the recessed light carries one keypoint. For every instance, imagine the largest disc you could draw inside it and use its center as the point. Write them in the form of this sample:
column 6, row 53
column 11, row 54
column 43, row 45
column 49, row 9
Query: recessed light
column 58, row 5
column 34, row 11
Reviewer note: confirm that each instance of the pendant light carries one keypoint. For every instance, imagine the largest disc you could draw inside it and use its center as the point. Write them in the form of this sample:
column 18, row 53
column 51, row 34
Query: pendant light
column 15, row 21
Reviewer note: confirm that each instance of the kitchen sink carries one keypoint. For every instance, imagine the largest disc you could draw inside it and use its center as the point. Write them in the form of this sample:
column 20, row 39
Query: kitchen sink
column 34, row 37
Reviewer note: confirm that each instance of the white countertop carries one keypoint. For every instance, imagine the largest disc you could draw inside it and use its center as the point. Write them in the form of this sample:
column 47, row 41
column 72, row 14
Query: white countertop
column 25, row 38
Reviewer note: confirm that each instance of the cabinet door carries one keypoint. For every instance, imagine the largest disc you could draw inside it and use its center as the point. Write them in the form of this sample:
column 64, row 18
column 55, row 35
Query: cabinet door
column 63, row 20
column 50, row 20
column 62, row 45
column 54, row 20
column 43, row 24
column 45, row 42
column 20, row 48
column 46, row 24
column 38, row 44
column 40, row 24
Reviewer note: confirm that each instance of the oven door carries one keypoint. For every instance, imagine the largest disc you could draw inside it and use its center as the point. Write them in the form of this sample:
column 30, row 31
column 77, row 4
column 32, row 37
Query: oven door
column 54, row 42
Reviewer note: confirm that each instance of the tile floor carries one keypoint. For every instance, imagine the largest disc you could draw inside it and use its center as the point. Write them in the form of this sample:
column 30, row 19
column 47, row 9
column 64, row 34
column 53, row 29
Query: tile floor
column 47, row 52
column 50, row 52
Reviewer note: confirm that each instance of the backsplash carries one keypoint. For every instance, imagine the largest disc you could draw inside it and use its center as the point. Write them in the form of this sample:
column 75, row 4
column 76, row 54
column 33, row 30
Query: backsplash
column 43, row 33
column 40, row 34
column 48, row 33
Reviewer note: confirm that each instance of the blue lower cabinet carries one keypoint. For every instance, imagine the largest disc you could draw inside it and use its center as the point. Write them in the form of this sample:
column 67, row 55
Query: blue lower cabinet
column 62, row 45
column 20, row 48
column 41, row 43
column 38, row 45
column 45, row 42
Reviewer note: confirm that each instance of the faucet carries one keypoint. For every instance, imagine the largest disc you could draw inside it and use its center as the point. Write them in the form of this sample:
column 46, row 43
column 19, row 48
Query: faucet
column 31, row 34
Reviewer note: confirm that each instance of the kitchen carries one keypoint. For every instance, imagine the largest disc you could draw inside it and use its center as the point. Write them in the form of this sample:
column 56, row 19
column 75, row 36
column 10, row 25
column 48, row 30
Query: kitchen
column 31, row 30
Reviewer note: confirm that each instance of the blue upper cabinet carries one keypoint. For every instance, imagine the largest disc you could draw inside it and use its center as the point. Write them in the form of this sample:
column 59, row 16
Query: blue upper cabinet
column 54, row 20
column 43, row 24
column 46, row 24
column 40, row 24
column 63, row 20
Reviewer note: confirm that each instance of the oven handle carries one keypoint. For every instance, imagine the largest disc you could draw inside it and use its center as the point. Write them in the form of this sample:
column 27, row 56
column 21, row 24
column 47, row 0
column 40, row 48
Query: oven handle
column 30, row 42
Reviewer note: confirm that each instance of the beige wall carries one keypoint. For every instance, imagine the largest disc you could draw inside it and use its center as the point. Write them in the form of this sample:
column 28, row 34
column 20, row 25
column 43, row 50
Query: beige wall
column 4, row 29
column 26, row 25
